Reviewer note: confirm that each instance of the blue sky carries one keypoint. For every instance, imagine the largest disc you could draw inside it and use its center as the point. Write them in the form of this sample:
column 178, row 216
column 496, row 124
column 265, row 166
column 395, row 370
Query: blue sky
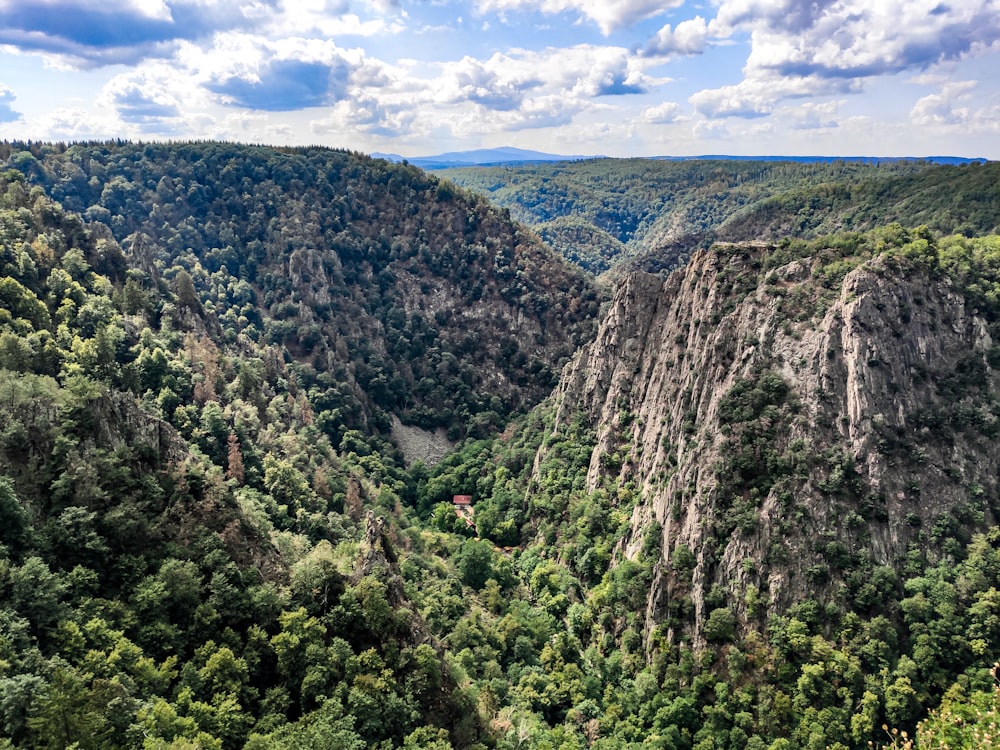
column 622, row 78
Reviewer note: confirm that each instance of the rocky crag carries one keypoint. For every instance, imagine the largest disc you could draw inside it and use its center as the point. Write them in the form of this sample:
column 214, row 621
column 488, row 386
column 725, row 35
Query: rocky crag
column 799, row 426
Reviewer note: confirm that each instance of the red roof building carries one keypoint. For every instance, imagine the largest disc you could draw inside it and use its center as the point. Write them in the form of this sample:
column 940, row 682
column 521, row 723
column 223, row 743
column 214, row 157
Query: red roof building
column 463, row 509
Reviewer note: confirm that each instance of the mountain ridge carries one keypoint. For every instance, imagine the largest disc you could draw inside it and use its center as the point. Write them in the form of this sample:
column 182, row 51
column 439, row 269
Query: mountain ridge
column 507, row 155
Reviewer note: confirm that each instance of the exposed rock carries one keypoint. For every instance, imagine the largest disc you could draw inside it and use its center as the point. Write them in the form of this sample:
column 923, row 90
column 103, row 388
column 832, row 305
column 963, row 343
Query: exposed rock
column 119, row 422
column 875, row 434
column 377, row 558
column 417, row 444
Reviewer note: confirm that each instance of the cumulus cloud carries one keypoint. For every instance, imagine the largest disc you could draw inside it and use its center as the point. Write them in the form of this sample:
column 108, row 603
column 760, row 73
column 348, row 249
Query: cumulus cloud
column 757, row 97
column 513, row 91
column 498, row 83
column 7, row 113
column 88, row 33
column 285, row 84
column 516, row 81
column 818, row 48
column 589, row 70
column 78, row 124
column 688, row 38
column 330, row 19
column 857, row 38
column 371, row 115
column 149, row 97
column 608, row 15
column 663, row 114
column 950, row 106
column 280, row 75
column 255, row 127
column 813, row 115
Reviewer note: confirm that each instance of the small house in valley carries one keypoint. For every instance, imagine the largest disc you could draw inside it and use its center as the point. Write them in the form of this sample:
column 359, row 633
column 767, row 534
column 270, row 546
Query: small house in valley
column 463, row 509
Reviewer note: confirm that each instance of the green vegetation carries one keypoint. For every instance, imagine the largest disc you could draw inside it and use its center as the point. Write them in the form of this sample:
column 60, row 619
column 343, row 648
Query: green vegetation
column 208, row 541
column 653, row 214
column 369, row 277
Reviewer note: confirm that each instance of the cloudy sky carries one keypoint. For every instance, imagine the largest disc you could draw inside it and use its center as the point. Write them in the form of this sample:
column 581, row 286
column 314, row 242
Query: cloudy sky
column 419, row 77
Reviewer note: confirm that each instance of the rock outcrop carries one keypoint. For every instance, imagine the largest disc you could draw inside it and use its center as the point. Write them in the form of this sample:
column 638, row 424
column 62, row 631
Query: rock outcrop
column 784, row 425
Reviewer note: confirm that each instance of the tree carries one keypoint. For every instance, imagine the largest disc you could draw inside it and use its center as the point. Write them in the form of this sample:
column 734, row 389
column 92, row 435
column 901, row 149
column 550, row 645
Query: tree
column 474, row 563
column 721, row 625
column 234, row 459
column 14, row 523
column 65, row 716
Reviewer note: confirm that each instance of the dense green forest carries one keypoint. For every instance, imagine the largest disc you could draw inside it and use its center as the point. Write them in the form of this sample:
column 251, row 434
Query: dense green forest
column 606, row 214
column 208, row 539
column 370, row 276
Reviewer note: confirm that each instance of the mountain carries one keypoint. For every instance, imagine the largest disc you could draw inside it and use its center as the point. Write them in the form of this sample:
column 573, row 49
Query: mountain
column 483, row 156
column 367, row 276
column 766, row 398
column 772, row 479
column 953, row 160
column 651, row 214
column 756, row 510
column 206, row 352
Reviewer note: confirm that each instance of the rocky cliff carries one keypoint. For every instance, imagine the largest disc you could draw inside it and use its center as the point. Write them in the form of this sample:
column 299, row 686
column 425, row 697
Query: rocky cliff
column 798, row 427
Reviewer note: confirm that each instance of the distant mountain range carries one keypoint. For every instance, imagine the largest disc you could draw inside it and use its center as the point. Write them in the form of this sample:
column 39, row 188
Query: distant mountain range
column 481, row 157
column 830, row 159
column 511, row 155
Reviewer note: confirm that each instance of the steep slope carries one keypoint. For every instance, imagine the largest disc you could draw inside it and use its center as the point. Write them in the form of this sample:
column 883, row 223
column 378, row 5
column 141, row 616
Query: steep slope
column 787, row 415
column 651, row 215
column 660, row 209
column 169, row 512
column 396, row 293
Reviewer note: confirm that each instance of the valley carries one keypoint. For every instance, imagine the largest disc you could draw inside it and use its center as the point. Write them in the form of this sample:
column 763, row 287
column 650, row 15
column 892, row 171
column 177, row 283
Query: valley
column 728, row 429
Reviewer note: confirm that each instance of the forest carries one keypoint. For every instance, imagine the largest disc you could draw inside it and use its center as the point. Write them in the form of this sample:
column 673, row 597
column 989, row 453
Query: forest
column 610, row 215
column 209, row 538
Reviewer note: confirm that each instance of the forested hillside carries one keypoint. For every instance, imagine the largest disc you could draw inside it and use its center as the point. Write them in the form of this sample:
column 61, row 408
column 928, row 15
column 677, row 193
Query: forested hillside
column 640, row 213
column 757, row 510
column 764, row 500
column 392, row 292
column 201, row 348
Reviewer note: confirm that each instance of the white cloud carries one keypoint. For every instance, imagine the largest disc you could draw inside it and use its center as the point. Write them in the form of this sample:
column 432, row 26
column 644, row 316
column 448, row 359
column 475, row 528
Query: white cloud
column 92, row 33
column 254, row 127
column 582, row 70
column 370, row 115
column 688, row 38
column 950, row 106
column 154, row 95
column 757, row 97
column 662, row 114
column 858, row 38
column 812, row 115
column 77, row 124
column 330, row 19
column 607, row 14
column 817, row 48
column 518, row 90
column 498, row 83
column 277, row 75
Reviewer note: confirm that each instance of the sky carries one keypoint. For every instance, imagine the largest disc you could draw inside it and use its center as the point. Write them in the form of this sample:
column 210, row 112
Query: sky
column 422, row 77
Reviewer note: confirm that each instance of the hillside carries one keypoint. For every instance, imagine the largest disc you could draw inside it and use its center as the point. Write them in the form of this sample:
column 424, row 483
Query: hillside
column 196, row 465
column 757, row 509
column 771, row 481
column 368, row 276
column 650, row 215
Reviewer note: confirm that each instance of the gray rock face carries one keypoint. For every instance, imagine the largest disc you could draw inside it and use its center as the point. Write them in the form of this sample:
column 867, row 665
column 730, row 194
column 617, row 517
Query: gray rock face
column 878, row 433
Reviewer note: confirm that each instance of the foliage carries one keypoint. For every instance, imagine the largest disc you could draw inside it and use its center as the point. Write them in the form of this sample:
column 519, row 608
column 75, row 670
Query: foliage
column 363, row 274
column 606, row 213
column 185, row 463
